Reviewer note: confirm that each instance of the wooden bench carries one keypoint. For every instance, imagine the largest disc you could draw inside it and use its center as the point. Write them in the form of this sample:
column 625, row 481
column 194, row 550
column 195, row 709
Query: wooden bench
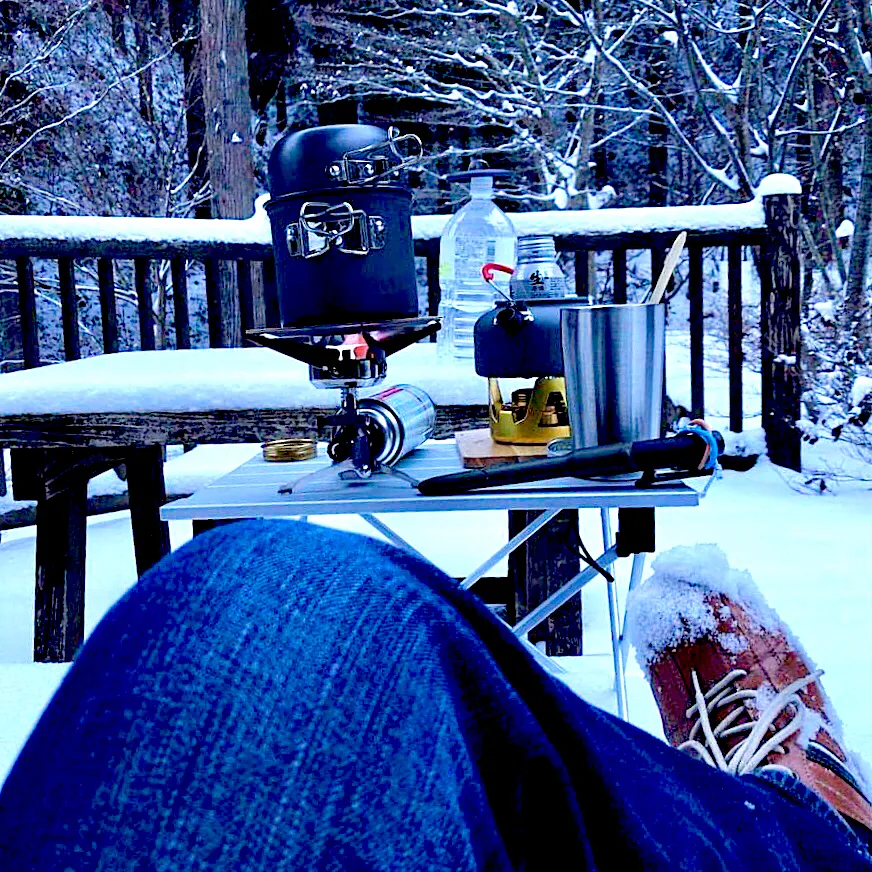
column 70, row 422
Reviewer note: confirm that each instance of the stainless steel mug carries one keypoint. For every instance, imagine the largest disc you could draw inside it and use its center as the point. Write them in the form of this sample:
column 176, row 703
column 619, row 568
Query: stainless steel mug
column 614, row 360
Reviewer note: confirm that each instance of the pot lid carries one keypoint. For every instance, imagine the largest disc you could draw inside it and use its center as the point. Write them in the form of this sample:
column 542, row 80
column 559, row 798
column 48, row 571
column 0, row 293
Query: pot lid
column 338, row 155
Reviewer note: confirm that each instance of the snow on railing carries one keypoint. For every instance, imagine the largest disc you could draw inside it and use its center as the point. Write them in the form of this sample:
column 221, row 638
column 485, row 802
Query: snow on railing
column 255, row 231
column 610, row 222
column 90, row 230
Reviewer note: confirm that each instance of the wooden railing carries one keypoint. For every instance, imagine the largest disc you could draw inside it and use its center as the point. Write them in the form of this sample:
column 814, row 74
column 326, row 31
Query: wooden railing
column 767, row 226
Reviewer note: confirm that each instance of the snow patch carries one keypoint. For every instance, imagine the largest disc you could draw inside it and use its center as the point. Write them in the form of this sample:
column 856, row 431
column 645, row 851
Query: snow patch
column 90, row 229
column 861, row 769
column 861, row 389
column 761, row 147
column 812, row 724
column 778, row 183
column 258, row 378
column 845, row 230
column 731, row 92
column 732, row 642
column 745, row 443
column 827, row 310
column 601, row 198
column 214, row 378
column 255, row 230
column 763, row 696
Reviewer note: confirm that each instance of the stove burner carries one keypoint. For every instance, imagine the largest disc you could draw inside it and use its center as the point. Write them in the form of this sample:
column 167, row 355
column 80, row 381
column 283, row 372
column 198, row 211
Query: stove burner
column 390, row 327
column 348, row 357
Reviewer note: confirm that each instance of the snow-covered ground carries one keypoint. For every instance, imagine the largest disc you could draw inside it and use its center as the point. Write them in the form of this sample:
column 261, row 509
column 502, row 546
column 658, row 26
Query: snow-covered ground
column 811, row 555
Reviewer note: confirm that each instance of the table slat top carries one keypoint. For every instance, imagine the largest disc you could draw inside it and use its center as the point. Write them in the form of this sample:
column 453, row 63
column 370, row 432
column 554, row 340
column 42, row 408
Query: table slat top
column 252, row 491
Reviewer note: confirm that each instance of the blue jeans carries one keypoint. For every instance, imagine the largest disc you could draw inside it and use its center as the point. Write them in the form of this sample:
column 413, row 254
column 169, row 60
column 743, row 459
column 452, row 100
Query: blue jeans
column 280, row 696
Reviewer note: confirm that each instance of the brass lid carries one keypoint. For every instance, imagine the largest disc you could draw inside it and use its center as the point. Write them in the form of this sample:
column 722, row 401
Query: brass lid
column 286, row 450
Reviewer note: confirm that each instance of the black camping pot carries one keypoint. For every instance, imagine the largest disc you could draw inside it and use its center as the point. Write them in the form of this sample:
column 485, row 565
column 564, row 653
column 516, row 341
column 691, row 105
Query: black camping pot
column 341, row 226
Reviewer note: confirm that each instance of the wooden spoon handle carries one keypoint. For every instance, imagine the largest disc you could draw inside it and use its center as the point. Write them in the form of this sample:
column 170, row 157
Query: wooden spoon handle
column 668, row 267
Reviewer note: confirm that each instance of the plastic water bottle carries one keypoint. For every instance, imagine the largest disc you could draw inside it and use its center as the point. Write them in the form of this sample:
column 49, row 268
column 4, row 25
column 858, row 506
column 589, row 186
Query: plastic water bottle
column 477, row 234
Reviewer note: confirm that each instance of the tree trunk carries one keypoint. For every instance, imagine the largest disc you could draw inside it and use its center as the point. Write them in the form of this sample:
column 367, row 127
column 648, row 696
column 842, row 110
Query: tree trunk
column 224, row 65
column 854, row 314
column 185, row 20
column 600, row 156
column 658, row 131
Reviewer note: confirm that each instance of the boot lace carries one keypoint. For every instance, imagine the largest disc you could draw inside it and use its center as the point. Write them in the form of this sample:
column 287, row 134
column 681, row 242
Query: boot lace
column 748, row 753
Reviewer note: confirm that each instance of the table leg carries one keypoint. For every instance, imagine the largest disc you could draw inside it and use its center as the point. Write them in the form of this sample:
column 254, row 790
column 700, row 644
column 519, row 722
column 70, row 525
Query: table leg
column 566, row 592
column 606, row 521
column 392, row 537
column 615, row 625
column 515, row 541
column 635, row 578
column 617, row 654
column 59, row 604
column 147, row 493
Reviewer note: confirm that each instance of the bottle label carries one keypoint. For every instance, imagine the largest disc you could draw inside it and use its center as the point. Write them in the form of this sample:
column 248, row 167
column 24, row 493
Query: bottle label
column 538, row 283
column 471, row 253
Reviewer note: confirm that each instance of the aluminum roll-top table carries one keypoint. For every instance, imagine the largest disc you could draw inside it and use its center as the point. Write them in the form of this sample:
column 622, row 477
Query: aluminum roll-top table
column 252, row 491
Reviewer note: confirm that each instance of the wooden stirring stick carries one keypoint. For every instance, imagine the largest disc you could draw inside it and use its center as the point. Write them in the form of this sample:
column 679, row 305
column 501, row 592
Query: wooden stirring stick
column 655, row 295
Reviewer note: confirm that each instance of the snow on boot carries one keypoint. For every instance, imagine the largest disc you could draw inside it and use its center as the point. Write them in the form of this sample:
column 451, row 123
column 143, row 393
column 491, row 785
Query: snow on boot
column 733, row 686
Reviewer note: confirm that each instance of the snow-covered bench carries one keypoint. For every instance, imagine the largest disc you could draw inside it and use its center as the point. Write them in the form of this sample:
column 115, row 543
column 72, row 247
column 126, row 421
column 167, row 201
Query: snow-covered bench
column 79, row 419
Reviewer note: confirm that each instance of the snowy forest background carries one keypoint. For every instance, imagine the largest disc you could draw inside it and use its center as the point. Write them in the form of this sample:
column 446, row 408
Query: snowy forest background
column 103, row 111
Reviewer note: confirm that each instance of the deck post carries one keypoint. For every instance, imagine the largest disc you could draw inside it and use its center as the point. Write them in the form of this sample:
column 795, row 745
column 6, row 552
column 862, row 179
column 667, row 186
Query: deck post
column 59, row 613
column 146, row 494
column 538, row 568
column 780, row 294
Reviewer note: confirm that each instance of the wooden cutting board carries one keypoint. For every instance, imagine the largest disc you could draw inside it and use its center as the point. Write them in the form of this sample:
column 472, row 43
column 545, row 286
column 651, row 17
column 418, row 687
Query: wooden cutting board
column 477, row 449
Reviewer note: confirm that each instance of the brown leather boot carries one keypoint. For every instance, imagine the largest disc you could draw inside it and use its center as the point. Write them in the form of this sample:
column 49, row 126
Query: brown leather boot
column 734, row 688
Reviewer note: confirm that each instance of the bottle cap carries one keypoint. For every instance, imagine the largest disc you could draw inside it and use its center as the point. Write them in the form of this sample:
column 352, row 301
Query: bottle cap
column 478, row 174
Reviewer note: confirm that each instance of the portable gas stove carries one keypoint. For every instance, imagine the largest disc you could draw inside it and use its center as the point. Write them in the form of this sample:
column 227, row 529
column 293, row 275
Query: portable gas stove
column 340, row 219
column 348, row 357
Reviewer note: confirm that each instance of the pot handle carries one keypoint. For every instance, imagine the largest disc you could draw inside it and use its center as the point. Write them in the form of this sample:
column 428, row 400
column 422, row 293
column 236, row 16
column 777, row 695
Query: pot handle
column 322, row 226
column 487, row 273
column 363, row 166
column 488, row 270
